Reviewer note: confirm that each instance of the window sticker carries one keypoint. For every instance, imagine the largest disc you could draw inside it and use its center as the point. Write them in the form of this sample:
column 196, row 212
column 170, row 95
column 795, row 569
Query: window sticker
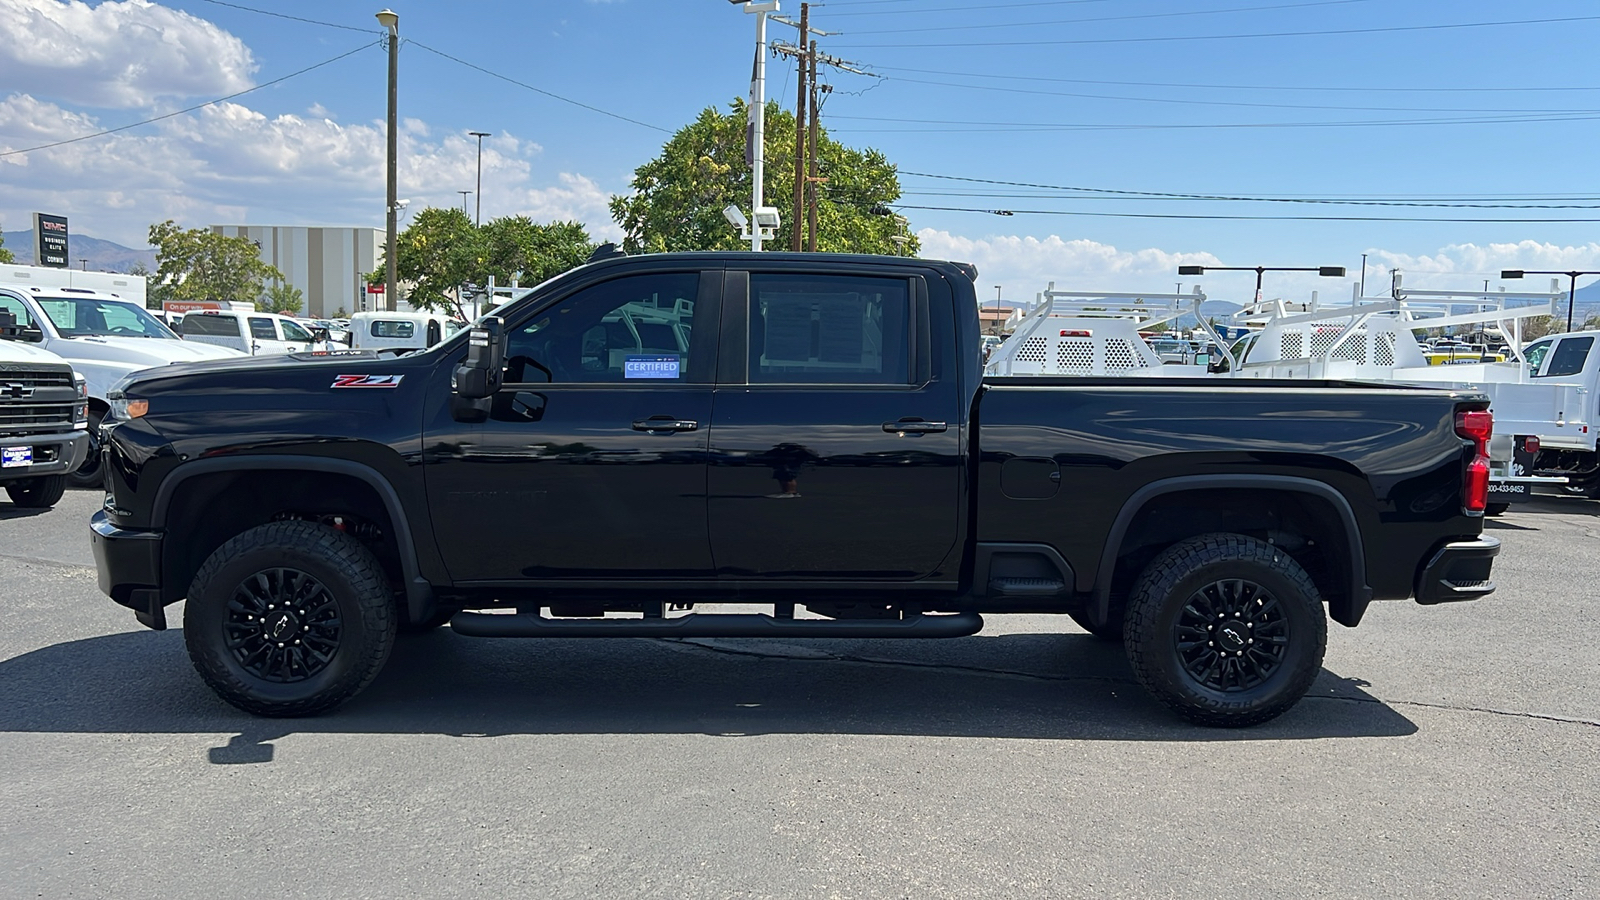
column 650, row 367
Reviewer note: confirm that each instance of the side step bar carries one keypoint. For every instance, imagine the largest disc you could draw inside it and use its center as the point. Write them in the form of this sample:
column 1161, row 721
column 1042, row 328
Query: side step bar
column 715, row 625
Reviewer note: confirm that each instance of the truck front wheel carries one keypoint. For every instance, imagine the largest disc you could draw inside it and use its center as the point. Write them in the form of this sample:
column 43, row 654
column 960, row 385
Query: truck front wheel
column 289, row 618
column 1225, row 629
column 41, row 492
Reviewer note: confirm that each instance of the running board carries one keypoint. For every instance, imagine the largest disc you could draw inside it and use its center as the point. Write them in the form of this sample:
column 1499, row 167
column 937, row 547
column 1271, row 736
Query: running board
column 716, row 625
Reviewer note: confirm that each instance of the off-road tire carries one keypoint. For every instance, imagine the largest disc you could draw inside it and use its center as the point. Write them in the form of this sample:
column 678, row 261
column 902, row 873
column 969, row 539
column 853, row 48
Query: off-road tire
column 92, row 472
column 39, row 492
column 357, row 595
column 1110, row 631
column 1160, row 629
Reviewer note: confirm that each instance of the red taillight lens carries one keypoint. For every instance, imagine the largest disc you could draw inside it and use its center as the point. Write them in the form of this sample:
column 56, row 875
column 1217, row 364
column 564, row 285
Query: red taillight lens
column 1476, row 425
column 1531, row 443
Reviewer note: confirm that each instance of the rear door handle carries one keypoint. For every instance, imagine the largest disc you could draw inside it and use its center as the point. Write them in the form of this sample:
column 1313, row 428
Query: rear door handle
column 664, row 425
column 914, row 426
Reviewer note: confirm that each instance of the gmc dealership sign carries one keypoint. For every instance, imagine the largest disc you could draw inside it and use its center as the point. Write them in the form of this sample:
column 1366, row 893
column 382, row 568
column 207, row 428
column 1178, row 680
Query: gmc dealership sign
column 51, row 232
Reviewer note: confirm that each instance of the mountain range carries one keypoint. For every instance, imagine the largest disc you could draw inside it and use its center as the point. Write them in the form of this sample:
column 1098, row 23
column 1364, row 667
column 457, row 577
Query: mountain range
column 87, row 252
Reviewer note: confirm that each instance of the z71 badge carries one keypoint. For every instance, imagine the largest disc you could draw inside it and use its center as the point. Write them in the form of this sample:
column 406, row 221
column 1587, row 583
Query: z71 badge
column 367, row 381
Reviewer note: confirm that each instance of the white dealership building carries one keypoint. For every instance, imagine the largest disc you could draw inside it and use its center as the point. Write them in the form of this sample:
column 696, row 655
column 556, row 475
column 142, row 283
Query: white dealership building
column 328, row 264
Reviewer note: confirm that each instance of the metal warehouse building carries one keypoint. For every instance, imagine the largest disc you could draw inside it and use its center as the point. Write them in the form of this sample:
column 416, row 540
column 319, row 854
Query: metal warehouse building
column 327, row 264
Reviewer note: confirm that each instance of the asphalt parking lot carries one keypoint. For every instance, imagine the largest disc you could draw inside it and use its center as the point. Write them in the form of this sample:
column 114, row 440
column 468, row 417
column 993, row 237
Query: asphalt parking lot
column 1445, row 752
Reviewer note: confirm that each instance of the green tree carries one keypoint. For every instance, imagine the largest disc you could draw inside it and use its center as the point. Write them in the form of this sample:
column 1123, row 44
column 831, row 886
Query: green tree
column 284, row 298
column 6, row 257
column 199, row 264
column 678, row 197
column 441, row 250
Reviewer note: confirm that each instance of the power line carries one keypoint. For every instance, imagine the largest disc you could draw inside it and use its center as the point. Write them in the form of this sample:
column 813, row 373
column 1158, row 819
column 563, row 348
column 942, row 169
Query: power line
column 1109, row 215
column 1390, row 29
column 278, row 15
column 939, row 9
column 190, row 109
column 1387, row 203
column 1167, row 195
column 1192, row 102
column 1232, row 87
column 536, row 90
column 1168, row 15
column 1030, row 128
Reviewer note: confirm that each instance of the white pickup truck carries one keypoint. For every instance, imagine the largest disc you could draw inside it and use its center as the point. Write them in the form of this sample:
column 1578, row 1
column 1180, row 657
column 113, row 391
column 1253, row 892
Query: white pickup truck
column 255, row 333
column 43, row 421
column 104, row 337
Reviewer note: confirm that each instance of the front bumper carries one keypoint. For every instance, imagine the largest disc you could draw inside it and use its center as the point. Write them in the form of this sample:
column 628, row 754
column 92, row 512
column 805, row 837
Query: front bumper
column 129, row 565
column 54, row 454
column 1458, row 571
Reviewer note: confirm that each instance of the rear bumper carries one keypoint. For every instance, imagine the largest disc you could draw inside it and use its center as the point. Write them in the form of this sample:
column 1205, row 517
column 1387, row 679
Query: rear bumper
column 54, row 454
column 1460, row 570
column 129, row 565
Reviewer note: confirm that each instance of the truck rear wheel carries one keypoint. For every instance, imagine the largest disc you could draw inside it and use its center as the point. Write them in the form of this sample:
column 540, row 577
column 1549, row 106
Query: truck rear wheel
column 1226, row 630
column 289, row 619
column 40, row 492
column 92, row 473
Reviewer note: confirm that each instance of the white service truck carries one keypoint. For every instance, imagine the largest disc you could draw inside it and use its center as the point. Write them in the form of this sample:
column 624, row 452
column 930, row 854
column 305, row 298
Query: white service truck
column 253, row 333
column 104, row 337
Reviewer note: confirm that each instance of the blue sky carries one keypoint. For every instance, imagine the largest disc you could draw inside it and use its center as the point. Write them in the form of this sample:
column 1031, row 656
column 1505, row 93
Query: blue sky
column 1124, row 95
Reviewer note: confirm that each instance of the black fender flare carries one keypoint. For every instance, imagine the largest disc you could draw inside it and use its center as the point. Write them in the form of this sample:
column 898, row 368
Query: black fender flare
column 419, row 591
column 1346, row 611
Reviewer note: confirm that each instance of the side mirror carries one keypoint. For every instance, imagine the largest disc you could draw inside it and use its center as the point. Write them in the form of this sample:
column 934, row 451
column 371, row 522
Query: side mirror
column 8, row 325
column 479, row 376
column 320, row 335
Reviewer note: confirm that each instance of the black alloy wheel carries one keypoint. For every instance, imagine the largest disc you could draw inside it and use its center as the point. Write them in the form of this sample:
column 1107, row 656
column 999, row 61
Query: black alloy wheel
column 283, row 625
column 290, row 618
column 1232, row 635
column 1226, row 630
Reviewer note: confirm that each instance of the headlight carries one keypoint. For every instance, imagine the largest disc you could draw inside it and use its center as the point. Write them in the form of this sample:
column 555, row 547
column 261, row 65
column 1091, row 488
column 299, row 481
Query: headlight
column 80, row 409
column 124, row 408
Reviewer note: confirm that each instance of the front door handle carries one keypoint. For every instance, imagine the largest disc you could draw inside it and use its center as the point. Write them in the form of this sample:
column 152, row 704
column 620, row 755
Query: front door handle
column 664, row 425
column 914, row 426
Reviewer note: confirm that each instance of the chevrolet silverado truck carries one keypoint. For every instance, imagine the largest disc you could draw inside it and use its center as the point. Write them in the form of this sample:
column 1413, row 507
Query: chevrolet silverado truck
column 43, row 420
column 809, row 434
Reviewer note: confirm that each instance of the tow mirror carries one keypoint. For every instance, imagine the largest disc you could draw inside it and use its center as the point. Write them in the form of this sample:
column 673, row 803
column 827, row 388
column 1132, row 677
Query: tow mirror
column 320, row 335
column 8, row 325
column 479, row 376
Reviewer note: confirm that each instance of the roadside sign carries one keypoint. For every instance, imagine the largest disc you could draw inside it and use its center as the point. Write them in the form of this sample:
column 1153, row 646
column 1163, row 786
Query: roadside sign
column 50, row 233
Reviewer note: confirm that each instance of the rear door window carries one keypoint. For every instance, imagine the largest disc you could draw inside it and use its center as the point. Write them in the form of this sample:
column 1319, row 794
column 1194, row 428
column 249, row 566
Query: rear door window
column 1569, row 356
column 262, row 330
column 829, row 329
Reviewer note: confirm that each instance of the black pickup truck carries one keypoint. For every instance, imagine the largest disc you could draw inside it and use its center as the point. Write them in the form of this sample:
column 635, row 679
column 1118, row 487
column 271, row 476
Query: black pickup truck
column 811, row 433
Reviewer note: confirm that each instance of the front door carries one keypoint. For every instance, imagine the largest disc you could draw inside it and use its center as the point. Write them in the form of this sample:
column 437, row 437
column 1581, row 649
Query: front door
column 836, row 445
column 592, row 461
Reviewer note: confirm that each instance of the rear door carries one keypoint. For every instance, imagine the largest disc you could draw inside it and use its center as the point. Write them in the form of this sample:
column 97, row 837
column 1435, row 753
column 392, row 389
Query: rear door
column 221, row 329
column 836, row 430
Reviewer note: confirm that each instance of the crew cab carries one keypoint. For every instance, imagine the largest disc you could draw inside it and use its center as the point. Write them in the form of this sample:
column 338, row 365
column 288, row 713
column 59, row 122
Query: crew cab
column 645, row 439
column 43, row 420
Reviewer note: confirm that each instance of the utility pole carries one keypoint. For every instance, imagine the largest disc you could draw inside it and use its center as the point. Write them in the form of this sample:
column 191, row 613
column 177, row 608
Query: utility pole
column 480, row 135
column 1363, row 276
column 800, row 135
column 811, row 151
column 391, row 281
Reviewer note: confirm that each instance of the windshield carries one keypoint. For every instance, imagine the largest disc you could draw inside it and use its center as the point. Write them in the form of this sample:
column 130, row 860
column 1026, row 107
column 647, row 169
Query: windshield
column 86, row 316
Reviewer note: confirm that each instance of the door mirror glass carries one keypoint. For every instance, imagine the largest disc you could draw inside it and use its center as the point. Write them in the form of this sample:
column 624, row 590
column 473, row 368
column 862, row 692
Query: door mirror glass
column 479, row 376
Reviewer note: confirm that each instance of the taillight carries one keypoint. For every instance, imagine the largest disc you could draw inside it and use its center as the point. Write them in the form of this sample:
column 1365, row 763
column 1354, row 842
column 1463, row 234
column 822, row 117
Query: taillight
column 1530, row 444
column 1476, row 425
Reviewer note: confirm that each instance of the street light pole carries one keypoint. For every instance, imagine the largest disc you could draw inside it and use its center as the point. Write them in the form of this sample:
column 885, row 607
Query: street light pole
column 463, row 201
column 758, row 109
column 391, row 20
column 1324, row 271
column 1572, row 285
column 480, row 135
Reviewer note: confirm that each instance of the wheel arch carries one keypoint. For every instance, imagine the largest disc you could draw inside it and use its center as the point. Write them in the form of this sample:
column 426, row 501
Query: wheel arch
column 218, row 477
column 1344, row 581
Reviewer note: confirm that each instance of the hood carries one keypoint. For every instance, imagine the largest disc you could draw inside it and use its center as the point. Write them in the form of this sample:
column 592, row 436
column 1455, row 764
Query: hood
column 267, row 362
column 139, row 352
column 20, row 352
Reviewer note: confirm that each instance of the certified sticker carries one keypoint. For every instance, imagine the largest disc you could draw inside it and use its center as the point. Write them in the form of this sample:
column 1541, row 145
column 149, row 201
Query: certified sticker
column 650, row 367
column 367, row 381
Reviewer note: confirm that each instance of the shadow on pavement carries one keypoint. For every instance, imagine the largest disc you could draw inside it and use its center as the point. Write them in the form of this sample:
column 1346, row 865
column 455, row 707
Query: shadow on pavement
column 1034, row 686
column 12, row 511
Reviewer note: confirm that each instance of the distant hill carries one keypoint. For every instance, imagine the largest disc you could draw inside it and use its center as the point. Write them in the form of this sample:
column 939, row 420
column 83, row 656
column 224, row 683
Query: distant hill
column 102, row 256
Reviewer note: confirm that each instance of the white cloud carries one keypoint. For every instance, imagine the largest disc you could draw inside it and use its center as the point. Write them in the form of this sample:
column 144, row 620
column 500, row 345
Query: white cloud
column 1025, row 265
column 230, row 164
column 118, row 54
column 1467, row 265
